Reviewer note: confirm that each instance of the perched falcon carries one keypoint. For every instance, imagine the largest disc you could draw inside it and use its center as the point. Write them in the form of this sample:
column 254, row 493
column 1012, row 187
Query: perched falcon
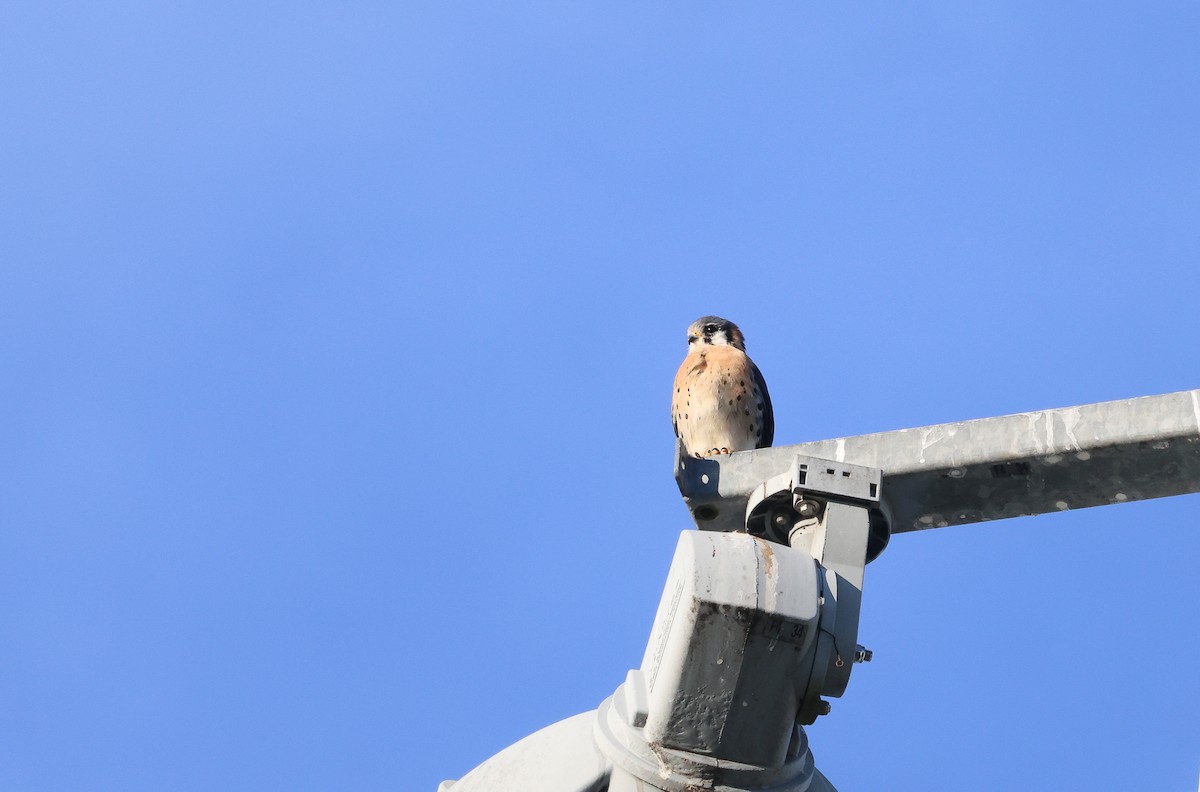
column 720, row 403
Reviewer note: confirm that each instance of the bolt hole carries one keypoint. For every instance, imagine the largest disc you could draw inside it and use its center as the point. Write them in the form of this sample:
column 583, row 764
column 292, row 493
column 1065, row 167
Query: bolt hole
column 705, row 513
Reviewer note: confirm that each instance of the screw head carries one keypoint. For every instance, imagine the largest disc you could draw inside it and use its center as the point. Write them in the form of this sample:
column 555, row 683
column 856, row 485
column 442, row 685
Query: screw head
column 807, row 508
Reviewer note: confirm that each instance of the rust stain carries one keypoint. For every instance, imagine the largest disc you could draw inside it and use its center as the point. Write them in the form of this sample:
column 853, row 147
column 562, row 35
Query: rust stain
column 768, row 558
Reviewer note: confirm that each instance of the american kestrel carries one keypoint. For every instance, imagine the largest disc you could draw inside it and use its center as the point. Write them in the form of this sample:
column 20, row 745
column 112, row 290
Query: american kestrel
column 720, row 403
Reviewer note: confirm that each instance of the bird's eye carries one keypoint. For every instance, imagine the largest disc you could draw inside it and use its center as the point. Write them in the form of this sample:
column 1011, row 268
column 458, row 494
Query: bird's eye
column 711, row 328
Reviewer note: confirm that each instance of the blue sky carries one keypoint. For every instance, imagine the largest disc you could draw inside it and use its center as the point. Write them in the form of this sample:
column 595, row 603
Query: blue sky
column 337, row 342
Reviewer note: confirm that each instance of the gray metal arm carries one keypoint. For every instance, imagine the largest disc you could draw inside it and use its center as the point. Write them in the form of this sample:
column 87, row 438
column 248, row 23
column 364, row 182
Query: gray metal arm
column 987, row 469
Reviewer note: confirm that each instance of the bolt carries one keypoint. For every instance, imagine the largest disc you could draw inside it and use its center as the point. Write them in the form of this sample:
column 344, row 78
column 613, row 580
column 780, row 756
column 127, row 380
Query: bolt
column 862, row 654
column 807, row 508
column 823, row 707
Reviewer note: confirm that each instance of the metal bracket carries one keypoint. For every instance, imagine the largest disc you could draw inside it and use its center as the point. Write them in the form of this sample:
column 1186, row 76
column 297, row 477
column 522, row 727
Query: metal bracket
column 715, row 702
column 832, row 511
column 785, row 504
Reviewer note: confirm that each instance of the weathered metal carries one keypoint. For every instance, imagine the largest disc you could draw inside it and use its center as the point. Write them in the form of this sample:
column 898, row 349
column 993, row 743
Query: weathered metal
column 827, row 503
column 986, row 469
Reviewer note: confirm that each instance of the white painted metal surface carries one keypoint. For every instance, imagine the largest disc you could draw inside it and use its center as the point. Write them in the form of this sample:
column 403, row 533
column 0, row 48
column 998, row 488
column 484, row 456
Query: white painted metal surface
column 562, row 757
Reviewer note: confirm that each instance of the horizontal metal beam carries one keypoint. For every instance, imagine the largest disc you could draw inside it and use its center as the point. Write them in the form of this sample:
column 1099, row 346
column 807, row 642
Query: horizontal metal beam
column 987, row 469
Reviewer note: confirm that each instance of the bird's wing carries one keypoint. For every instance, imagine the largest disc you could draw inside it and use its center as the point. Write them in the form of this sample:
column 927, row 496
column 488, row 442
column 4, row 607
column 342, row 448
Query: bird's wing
column 768, row 434
column 675, row 389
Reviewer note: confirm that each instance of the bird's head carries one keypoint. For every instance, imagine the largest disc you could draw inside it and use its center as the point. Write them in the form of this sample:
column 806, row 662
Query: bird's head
column 715, row 331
